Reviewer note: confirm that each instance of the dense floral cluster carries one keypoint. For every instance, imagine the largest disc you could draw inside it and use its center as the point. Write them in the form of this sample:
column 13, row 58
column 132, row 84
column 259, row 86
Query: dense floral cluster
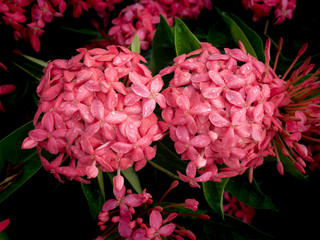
column 234, row 207
column 282, row 9
column 142, row 18
column 126, row 213
column 29, row 25
column 96, row 111
column 224, row 110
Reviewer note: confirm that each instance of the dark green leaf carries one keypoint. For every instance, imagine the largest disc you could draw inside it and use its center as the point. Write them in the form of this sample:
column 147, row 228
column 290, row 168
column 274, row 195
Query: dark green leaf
column 163, row 51
column 11, row 153
column 94, row 196
column 132, row 177
column 219, row 36
column 32, row 66
column 167, row 161
column 249, row 193
column 185, row 41
column 213, row 192
column 241, row 32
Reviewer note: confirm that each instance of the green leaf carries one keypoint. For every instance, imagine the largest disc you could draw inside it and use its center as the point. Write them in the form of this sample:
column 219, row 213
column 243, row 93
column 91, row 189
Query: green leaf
column 167, row 161
column 94, row 196
column 185, row 41
column 11, row 153
column 32, row 66
column 249, row 193
column 163, row 51
column 132, row 177
column 241, row 32
column 213, row 193
column 135, row 45
column 219, row 35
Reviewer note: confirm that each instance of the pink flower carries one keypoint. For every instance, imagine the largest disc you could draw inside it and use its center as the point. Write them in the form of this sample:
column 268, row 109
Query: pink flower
column 94, row 120
column 157, row 229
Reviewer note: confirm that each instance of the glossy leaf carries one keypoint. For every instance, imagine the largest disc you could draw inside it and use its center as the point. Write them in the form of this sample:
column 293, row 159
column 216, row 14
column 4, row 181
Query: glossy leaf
column 249, row 193
column 213, row 192
column 11, row 153
column 163, row 51
column 133, row 179
column 94, row 197
column 185, row 41
column 241, row 32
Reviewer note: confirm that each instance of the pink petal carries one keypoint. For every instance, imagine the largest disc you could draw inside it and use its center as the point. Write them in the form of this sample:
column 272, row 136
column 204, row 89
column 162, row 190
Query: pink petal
column 204, row 177
column 155, row 219
column 212, row 92
column 217, row 120
column 161, row 100
column 258, row 113
column 183, row 102
column 121, row 147
column 200, row 141
column 4, row 224
column 115, row 117
column 109, row 205
column 182, row 133
column 86, row 145
column 52, row 146
column 124, row 228
column 52, row 92
column 167, row 230
column 132, row 132
column 156, row 84
column 140, row 90
column 28, row 143
column 85, row 113
column 38, row 134
column 257, row 132
column 235, row 98
column 112, row 100
column 238, row 116
column 48, row 122
column 216, row 78
column 92, row 171
column 191, row 170
column 200, row 109
column 133, row 200
column 148, row 107
column 97, row 109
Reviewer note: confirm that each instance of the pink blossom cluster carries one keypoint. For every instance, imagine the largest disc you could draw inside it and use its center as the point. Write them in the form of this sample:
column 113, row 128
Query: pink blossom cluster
column 142, row 18
column 220, row 112
column 234, row 207
column 29, row 24
column 282, row 9
column 227, row 111
column 127, row 215
column 96, row 111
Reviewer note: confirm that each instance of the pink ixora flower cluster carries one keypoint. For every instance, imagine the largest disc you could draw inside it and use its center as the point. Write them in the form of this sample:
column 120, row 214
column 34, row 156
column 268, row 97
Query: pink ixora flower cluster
column 142, row 18
column 29, row 25
column 282, row 9
column 96, row 111
column 133, row 217
column 226, row 112
column 234, row 207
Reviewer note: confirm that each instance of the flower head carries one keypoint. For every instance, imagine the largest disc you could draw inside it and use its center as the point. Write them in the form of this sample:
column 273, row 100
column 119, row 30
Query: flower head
column 93, row 115
column 225, row 111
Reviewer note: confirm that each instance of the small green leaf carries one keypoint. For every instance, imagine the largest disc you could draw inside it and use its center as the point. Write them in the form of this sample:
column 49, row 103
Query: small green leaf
column 241, row 32
column 249, row 193
column 94, row 196
column 185, row 41
column 132, row 178
column 135, row 45
column 163, row 51
column 11, row 152
column 213, row 192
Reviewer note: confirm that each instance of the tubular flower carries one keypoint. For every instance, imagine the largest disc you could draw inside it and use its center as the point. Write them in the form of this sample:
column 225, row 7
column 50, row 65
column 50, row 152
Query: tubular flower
column 225, row 112
column 234, row 207
column 261, row 8
column 92, row 116
column 134, row 217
